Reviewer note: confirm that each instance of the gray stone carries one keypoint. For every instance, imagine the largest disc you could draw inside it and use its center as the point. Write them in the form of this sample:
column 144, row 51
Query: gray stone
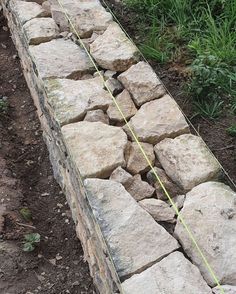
column 109, row 74
column 64, row 59
column 125, row 104
column 135, row 240
column 69, row 100
column 178, row 201
column 142, row 82
column 159, row 210
column 135, row 160
column 28, row 10
column 228, row 289
column 40, row 30
column 187, row 160
column 114, row 86
column 121, row 176
column 172, row 275
column 96, row 148
column 113, row 50
column 157, row 120
column 97, row 115
column 210, row 211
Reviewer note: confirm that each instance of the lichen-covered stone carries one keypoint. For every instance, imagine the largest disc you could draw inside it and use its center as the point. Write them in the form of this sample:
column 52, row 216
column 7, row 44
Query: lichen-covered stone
column 96, row 148
column 172, row 275
column 27, row 10
column 40, row 30
column 126, row 105
column 60, row 59
column 187, row 160
column 157, row 120
column 113, row 50
column 210, row 211
column 142, row 82
column 135, row 240
column 69, row 100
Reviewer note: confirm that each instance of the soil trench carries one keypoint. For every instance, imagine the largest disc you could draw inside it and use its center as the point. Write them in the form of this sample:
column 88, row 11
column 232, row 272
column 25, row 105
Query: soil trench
column 26, row 181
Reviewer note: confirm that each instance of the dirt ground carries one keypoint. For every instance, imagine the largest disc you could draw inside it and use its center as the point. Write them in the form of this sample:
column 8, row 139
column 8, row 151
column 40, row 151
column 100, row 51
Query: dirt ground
column 173, row 75
column 26, row 180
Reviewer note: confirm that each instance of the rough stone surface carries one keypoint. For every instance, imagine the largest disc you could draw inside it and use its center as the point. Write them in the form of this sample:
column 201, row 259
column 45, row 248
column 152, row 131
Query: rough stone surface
column 126, row 105
column 159, row 210
column 114, row 86
column 142, row 82
column 139, row 189
column 109, row 74
column 187, row 161
column 70, row 100
column 210, row 210
column 159, row 119
column 96, row 148
column 228, row 289
column 136, row 163
column 134, row 238
column 121, row 176
column 97, row 115
column 178, row 201
column 113, row 50
column 172, row 275
column 171, row 188
column 28, row 10
column 40, row 30
column 60, row 58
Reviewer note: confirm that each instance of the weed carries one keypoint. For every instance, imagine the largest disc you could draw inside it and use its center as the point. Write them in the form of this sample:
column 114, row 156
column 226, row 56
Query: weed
column 207, row 109
column 232, row 130
column 26, row 213
column 3, row 105
column 31, row 241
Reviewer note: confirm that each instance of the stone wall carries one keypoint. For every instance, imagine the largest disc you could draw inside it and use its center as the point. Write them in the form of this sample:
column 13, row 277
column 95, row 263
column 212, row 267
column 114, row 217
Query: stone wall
column 132, row 238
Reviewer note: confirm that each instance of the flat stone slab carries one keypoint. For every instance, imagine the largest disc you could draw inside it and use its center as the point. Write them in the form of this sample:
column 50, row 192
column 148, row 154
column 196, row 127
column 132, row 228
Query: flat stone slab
column 96, row 148
column 60, row 59
column 135, row 240
column 159, row 119
column 210, row 211
column 172, row 275
column 113, row 50
column 27, row 10
column 142, row 82
column 187, row 160
column 40, row 30
column 70, row 100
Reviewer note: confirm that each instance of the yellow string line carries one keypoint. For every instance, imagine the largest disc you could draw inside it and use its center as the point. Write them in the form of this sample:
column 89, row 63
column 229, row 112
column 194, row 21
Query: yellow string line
column 146, row 157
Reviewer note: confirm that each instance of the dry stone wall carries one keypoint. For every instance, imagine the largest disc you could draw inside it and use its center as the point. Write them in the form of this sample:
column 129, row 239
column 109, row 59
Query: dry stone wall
column 132, row 238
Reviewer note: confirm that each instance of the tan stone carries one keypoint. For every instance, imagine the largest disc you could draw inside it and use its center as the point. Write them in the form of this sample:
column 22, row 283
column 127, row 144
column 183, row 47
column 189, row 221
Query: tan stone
column 27, row 10
column 121, row 176
column 125, row 104
column 96, row 148
column 97, row 115
column 113, row 50
column 69, row 100
column 187, row 160
column 142, row 82
column 135, row 160
column 157, row 120
column 134, row 239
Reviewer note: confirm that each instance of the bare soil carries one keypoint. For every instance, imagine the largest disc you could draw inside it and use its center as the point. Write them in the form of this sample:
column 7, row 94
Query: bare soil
column 26, row 180
column 174, row 76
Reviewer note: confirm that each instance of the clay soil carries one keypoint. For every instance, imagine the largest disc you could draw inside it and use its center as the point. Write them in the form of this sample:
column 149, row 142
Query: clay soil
column 173, row 75
column 26, row 180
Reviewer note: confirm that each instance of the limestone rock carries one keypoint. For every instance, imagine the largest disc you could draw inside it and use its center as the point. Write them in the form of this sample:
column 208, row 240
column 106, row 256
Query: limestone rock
column 121, row 176
column 228, row 289
column 159, row 210
column 210, row 211
column 187, row 161
column 70, row 100
column 139, row 189
column 97, row 115
column 172, row 275
column 114, row 86
column 135, row 240
column 27, row 10
column 109, row 74
column 126, row 105
column 40, row 30
column 178, row 201
column 171, row 188
column 113, row 50
column 142, row 82
column 46, row 5
column 96, row 148
column 157, row 120
column 136, row 162
column 60, row 58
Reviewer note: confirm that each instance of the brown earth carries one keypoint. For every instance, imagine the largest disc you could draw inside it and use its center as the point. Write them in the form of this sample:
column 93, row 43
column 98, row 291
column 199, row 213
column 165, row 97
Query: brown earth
column 26, row 180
